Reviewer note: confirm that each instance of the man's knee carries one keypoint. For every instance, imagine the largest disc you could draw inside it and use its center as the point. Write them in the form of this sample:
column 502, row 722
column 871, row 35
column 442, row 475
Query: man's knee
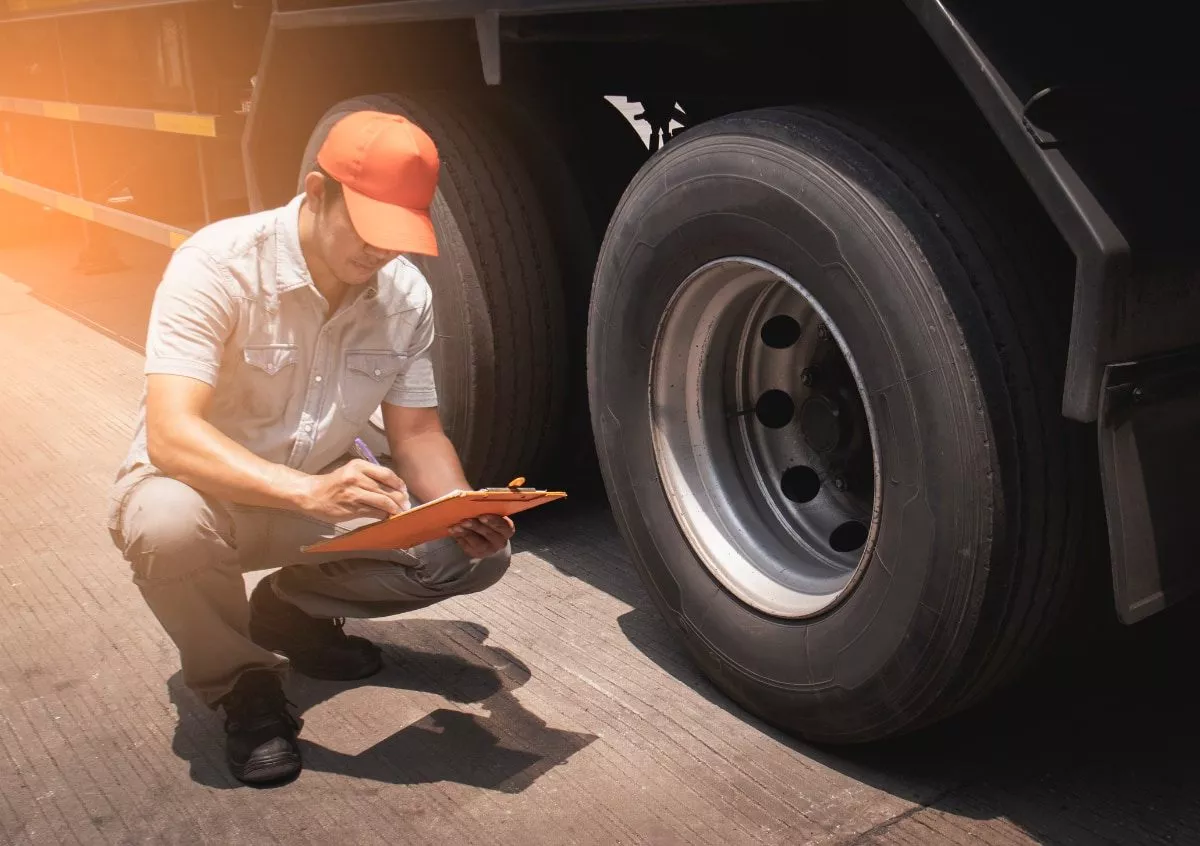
column 169, row 530
column 487, row 571
column 446, row 568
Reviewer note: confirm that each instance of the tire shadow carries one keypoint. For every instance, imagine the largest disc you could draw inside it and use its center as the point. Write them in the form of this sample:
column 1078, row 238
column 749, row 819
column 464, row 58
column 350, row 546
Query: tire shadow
column 1095, row 744
column 1096, row 748
column 1099, row 743
column 505, row 749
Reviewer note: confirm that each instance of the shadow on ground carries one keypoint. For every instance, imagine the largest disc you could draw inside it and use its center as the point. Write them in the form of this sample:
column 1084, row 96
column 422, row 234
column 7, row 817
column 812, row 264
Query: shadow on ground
column 1100, row 744
column 506, row 749
column 115, row 302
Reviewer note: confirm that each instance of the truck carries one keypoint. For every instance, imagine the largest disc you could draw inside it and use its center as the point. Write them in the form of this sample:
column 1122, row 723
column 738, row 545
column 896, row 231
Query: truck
column 886, row 343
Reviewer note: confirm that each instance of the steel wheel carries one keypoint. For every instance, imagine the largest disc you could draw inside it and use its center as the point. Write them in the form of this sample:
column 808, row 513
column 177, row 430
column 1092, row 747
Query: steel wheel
column 762, row 440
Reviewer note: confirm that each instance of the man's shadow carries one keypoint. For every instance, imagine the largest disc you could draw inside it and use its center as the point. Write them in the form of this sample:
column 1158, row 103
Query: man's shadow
column 506, row 750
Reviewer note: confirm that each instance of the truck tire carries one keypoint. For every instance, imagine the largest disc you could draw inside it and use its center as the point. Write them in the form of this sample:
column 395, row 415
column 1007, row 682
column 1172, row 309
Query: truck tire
column 498, row 304
column 824, row 395
column 581, row 152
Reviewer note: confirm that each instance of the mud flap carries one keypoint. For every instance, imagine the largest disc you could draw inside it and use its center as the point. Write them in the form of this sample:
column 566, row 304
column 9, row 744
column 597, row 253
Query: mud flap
column 1150, row 465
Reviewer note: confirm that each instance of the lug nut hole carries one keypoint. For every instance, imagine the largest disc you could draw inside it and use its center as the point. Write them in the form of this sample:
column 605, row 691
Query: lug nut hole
column 780, row 332
column 848, row 537
column 800, row 484
column 775, row 409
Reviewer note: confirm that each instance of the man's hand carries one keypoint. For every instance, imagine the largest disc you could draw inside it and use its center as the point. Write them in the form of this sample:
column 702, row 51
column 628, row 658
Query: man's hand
column 484, row 536
column 356, row 489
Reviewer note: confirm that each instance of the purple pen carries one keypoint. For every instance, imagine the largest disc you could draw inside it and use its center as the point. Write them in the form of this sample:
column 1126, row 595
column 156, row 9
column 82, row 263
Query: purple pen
column 364, row 452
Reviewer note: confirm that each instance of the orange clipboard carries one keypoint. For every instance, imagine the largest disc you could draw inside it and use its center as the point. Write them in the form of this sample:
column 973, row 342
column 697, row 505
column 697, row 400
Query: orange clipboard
column 433, row 519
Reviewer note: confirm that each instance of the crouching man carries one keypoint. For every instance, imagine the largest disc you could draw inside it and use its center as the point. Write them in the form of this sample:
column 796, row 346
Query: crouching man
column 272, row 339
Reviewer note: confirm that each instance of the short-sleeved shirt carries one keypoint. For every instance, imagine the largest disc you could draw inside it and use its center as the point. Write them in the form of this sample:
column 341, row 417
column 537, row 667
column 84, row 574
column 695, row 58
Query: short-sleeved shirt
column 237, row 309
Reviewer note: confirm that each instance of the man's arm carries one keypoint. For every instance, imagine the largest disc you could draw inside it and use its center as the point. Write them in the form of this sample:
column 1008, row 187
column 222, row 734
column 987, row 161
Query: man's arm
column 184, row 445
column 420, row 450
column 421, row 453
column 429, row 464
column 193, row 316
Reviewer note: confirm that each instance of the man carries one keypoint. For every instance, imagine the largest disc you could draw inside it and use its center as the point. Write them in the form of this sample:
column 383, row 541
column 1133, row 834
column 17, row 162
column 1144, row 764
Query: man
column 272, row 339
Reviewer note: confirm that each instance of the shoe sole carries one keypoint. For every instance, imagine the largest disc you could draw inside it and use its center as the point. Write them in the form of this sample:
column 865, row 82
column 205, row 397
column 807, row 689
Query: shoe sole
column 276, row 769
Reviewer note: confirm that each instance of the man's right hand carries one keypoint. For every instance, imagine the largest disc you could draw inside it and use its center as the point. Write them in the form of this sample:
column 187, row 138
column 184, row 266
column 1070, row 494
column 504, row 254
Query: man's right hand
column 356, row 489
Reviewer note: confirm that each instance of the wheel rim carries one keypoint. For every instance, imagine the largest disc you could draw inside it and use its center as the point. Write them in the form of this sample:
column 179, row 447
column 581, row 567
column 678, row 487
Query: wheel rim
column 764, row 445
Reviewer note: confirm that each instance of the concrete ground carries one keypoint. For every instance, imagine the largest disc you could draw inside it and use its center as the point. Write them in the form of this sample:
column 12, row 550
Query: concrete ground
column 555, row 708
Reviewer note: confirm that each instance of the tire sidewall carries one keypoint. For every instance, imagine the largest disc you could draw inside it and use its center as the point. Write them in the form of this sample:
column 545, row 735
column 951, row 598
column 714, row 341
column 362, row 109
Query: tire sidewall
column 831, row 224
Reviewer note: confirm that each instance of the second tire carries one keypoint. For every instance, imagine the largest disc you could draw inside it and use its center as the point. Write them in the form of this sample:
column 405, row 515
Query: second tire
column 824, row 391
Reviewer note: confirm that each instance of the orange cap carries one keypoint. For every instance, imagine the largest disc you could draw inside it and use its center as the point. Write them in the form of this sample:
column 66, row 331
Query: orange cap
column 388, row 167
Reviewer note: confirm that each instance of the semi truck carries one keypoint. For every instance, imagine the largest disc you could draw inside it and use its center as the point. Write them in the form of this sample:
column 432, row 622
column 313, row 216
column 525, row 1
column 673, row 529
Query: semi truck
column 886, row 344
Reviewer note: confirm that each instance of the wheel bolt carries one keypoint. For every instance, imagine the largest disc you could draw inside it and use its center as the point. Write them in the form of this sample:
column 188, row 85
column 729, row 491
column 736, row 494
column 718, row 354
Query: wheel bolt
column 823, row 332
column 840, row 483
column 807, row 377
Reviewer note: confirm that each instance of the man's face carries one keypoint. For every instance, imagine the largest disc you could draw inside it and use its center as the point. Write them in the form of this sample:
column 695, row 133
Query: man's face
column 349, row 258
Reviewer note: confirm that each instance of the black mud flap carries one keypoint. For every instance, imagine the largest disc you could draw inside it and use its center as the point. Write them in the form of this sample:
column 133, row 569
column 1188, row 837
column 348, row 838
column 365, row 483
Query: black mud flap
column 1150, row 464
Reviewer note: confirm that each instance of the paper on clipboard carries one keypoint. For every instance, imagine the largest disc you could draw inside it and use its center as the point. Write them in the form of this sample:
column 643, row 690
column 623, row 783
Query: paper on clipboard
column 433, row 519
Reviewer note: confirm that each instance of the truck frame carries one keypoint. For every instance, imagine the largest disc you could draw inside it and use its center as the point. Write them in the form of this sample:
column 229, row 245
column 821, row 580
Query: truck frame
column 892, row 332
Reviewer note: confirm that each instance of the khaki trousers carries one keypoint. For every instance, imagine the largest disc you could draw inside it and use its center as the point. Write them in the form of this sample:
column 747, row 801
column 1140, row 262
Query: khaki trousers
column 188, row 552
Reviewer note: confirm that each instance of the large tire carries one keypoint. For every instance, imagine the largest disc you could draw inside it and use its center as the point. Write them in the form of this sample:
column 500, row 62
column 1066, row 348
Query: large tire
column 975, row 509
column 498, row 304
column 581, row 153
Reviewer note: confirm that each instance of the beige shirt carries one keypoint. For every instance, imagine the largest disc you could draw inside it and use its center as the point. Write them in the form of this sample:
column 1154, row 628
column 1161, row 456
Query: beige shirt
column 238, row 310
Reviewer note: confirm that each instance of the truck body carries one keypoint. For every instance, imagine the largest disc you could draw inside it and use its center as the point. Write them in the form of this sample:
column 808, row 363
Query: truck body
column 847, row 198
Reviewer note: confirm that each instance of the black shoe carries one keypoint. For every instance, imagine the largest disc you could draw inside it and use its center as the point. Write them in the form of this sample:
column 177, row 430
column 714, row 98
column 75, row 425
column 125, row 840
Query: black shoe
column 315, row 646
column 260, row 732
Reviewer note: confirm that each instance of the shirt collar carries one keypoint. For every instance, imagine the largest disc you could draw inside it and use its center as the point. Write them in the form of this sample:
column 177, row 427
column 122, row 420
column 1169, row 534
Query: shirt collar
column 291, row 271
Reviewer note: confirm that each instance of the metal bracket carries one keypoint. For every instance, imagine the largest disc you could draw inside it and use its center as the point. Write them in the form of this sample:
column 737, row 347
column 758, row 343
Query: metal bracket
column 1149, row 461
column 1100, row 247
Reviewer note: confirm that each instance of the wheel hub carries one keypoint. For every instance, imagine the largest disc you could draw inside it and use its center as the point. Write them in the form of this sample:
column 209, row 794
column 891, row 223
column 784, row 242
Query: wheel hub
column 763, row 442
column 820, row 425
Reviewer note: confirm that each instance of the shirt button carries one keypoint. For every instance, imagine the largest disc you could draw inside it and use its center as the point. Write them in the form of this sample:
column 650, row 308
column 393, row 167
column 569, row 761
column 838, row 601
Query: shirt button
column 378, row 371
column 316, row 378
column 307, row 427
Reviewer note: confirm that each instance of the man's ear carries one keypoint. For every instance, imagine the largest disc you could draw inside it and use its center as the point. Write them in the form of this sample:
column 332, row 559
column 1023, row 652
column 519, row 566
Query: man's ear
column 314, row 189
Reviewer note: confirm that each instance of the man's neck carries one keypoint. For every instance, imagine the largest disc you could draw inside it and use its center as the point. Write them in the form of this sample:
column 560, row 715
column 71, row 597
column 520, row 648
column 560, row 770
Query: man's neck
column 331, row 288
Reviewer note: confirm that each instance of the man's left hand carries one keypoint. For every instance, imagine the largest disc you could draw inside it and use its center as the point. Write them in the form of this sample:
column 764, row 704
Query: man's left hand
column 483, row 536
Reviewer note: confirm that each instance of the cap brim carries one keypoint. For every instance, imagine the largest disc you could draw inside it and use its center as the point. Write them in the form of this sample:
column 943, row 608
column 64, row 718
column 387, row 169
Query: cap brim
column 388, row 227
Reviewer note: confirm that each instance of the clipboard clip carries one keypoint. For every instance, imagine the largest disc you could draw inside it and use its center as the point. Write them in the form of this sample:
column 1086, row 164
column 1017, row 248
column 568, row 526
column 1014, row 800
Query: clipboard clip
column 515, row 486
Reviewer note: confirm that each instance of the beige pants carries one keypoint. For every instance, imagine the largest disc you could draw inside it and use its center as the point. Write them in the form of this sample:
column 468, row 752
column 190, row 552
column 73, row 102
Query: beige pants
column 188, row 552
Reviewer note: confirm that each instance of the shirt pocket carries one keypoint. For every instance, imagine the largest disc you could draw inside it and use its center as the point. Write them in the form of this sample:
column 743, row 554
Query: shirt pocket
column 269, row 358
column 265, row 384
column 366, row 379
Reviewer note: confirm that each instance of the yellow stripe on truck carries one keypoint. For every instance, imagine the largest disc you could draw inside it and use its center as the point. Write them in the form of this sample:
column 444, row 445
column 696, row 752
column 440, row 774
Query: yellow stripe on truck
column 174, row 239
column 62, row 111
column 184, row 124
column 77, row 207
